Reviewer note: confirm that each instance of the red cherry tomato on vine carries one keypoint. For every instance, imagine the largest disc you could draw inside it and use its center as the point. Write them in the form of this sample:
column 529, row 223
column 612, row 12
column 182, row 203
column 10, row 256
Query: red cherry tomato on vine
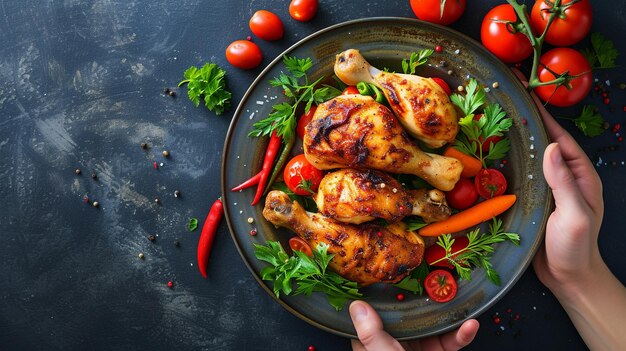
column 560, row 60
column 440, row 285
column 244, row 54
column 442, row 83
column 350, row 89
column 571, row 24
column 303, row 10
column 492, row 139
column 298, row 244
column 266, row 25
column 498, row 38
column 303, row 121
column 436, row 255
column 490, row 182
column 430, row 10
column 301, row 177
column 463, row 195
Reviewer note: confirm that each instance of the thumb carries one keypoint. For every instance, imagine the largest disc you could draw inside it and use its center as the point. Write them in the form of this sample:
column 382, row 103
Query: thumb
column 567, row 195
column 369, row 328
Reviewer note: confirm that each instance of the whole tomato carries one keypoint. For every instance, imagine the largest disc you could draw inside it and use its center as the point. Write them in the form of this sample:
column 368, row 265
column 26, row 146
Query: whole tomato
column 301, row 177
column 244, row 54
column 560, row 60
column 571, row 24
column 443, row 12
column 303, row 10
column 266, row 25
column 463, row 195
column 490, row 182
column 499, row 37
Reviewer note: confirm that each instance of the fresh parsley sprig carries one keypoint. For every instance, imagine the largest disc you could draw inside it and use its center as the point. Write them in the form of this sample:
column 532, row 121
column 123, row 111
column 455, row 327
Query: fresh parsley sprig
column 296, row 86
column 590, row 122
column 207, row 83
column 478, row 251
column 309, row 274
column 473, row 99
column 415, row 60
column 602, row 53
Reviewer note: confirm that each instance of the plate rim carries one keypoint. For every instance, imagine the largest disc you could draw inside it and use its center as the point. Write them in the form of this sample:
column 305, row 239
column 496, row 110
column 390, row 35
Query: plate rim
column 369, row 20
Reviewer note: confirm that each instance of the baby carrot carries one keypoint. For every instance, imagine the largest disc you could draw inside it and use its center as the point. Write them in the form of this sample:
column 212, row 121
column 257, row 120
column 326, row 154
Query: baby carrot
column 474, row 215
column 471, row 165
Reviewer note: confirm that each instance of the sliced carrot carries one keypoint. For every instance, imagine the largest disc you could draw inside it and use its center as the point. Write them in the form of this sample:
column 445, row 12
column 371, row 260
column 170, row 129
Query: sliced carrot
column 474, row 215
column 471, row 165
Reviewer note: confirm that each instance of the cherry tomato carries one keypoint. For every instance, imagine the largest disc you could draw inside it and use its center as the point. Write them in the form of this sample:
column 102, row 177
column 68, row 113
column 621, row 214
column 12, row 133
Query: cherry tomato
column 350, row 89
column 244, row 54
column 560, row 60
column 498, row 38
column 303, row 10
column 463, row 195
column 440, row 285
column 571, row 24
column 442, row 83
column 303, row 121
column 490, row 182
column 435, row 255
column 301, row 177
column 430, row 10
column 492, row 139
column 266, row 25
column 298, row 244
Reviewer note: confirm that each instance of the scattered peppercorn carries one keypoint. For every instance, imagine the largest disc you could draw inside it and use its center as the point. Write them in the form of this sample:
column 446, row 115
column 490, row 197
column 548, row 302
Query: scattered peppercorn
column 141, row 256
column 166, row 153
column 86, row 198
column 96, row 204
column 155, row 165
column 495, row 85
column 152, row 238
column 176, row 193
column 177, row 243
column 77, row 171
column 94, row 176
column 524, row 121
column 253, row 232
column 250, row 220
column 443, row 63
column 400, row 297
column 496, row 319
column 606, row 125
column 169, row 92
column 380, row 234
column 249, row 38
column 144, row 146
column 438, row 48
column 311, row 348
column 170, row 284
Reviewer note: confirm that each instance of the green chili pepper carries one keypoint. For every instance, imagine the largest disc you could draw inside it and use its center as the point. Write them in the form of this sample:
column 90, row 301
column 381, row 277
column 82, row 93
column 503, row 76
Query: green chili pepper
column 282, row 159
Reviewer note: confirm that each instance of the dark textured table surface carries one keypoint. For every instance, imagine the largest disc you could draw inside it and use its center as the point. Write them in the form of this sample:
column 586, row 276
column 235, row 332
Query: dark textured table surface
column 82, row 87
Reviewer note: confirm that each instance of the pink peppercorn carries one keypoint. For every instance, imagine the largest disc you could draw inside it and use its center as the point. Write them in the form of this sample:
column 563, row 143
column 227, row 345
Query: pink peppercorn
column 400, row 297
column 170, row 284
column 438, row 48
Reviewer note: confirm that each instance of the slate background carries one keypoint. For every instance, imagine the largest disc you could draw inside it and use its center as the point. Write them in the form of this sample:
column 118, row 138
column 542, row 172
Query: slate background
column 81, row 86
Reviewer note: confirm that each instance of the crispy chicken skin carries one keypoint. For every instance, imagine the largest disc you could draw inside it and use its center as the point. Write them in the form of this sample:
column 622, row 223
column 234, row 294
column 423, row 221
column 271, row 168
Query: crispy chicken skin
column 355, row 131
column 365, row 253
column 420, row 104
column 356, row 196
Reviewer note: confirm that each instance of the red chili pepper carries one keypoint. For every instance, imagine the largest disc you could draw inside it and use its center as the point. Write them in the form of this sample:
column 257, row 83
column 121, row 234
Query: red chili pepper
column 248, row 183
column 211, row 223
column 270, row 154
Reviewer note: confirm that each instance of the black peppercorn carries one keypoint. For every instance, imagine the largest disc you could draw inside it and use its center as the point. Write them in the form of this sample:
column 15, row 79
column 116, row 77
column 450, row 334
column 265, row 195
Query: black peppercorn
column 151, row 237
column 176, row 193
column 176, row 243
column 144, row 146
column 77, row 171
column 94, row 176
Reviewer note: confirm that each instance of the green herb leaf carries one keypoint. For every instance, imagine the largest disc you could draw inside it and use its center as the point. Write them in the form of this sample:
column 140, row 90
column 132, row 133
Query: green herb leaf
column 474, row 98
column 590, row 122
column 414, row 282
column 192, row 225
column 602, row 53
column 309, row 274
column 415, row 60
column 413, row 223
column 209, row 84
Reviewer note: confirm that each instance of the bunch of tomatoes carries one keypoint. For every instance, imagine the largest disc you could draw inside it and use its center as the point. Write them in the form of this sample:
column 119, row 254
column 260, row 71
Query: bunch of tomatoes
column 504, row 34
column 266, row 25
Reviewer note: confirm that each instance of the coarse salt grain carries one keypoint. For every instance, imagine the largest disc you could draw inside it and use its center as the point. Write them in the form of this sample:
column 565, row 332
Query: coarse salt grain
column 532, row 146
column 608, row 82
column 487, row 89
column 530, row 176
column 532, row 156
column 532, row 138
column 259, row 102
column 450, row 72
column 457, row 51
column 240, row 212
column 252, row 115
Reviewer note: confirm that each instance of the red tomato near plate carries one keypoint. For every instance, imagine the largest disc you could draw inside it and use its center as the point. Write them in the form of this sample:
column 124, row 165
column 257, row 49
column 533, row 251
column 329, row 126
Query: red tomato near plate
column 463, row 195
column 349, row 90
column 440, row 285
column 301, row 177
column 569, row 27
column 560, row 60
column 435, row 255
column 303, row 121
column 298, row 244
column 490, row 182
column 497, row 37
column 303, row 10
column 244, row 54
column 431, row 10
column 442, row 83
column 266, row 25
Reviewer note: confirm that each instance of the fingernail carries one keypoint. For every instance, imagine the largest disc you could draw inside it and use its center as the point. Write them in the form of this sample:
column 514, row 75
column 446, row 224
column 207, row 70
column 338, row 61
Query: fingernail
column 556, row 155
column 358, row 312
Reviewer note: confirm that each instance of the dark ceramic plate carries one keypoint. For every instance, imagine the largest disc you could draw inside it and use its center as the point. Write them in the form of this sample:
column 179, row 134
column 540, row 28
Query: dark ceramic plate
column 385, row 42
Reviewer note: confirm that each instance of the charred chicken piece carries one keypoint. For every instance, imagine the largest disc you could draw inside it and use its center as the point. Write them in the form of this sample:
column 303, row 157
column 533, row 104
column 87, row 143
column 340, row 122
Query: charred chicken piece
column 357, row 132
column 357, row 196
column 365, row 253
column 420, row 104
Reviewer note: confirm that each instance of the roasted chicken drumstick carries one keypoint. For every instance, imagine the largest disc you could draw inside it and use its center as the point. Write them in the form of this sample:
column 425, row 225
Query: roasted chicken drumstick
column 357, row 196
column 420, row 104
column 365, row 253
column 355, row 131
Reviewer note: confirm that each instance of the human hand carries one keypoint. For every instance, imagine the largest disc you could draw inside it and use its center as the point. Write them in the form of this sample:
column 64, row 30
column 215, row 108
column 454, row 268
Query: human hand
column 372, row 336
column 570, row 254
